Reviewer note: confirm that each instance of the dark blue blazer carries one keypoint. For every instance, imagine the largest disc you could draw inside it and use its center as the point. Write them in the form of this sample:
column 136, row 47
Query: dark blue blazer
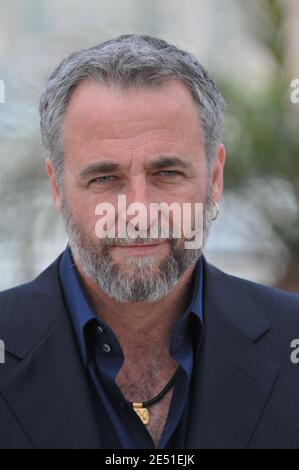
column 245, row 392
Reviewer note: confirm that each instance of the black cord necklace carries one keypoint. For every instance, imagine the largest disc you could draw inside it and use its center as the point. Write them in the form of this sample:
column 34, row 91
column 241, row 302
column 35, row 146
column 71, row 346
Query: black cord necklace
column 142, row 408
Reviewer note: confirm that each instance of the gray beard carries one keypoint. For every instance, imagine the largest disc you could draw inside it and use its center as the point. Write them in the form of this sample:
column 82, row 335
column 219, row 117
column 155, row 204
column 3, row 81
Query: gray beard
column 143, row 279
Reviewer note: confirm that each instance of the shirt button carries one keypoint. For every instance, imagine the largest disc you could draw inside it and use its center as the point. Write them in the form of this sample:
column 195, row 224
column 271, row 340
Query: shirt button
column 106, row 348
column 100, row 330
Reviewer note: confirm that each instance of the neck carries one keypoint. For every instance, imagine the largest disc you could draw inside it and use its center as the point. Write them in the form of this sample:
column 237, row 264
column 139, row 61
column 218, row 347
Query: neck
column 142, row 327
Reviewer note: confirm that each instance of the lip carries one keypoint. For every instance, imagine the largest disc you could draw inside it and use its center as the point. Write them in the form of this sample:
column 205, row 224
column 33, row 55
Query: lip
column 139, row 249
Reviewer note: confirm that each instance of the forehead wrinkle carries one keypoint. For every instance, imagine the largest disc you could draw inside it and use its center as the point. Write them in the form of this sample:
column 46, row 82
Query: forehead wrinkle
column 139, row 139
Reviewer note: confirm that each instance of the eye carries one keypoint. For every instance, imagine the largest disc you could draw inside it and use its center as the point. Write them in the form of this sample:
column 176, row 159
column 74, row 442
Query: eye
column 168, row 173
column 104, row 179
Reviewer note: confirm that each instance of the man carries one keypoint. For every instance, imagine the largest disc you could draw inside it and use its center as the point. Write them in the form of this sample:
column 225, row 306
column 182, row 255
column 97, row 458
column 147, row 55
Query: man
column 137, row 342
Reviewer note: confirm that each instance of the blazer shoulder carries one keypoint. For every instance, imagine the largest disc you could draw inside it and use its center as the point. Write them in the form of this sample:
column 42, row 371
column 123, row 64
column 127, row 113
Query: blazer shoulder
column 28, row 297
column 276, row 303
column 11, row 297
column 248, row 298
column 28, row 311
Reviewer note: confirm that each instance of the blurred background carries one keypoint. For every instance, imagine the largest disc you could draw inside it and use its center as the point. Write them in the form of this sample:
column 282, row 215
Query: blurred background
column 250, row 47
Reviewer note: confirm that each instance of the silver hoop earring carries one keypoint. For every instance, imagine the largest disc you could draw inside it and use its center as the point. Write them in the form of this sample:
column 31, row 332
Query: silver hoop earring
column 215, row 210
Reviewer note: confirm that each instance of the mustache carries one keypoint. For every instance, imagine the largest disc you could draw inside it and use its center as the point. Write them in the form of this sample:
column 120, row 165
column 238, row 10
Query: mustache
column 142, row 241
column 143, row 238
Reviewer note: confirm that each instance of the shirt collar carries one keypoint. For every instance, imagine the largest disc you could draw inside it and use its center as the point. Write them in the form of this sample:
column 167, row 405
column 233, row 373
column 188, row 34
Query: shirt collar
column 82, row 312
column 77, row 299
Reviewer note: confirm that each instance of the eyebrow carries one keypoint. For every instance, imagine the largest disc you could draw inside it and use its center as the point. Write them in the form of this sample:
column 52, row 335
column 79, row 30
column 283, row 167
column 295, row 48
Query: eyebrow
column 161, row 163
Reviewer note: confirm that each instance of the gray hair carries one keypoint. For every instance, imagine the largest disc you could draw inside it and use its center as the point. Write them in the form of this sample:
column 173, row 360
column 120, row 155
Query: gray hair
column 129, row 61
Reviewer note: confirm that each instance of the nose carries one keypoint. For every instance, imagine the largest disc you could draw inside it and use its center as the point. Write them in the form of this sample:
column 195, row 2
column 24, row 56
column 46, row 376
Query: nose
column 138, row 198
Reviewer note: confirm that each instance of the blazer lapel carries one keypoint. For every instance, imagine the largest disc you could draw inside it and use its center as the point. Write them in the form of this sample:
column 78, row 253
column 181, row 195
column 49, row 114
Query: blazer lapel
column 48, row 391
column 232, row 379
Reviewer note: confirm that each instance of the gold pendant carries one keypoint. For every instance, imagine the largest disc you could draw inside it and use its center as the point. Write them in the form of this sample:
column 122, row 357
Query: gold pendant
column 143, row 413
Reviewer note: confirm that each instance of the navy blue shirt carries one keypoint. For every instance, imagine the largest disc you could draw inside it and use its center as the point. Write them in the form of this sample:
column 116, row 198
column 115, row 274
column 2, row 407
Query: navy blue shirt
column 102, row 356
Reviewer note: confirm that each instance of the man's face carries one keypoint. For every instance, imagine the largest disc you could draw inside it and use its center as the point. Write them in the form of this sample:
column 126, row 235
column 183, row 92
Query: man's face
column 146, row 144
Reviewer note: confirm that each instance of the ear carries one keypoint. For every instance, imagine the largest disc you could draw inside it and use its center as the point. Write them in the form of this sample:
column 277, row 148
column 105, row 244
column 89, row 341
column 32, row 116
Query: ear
column 53, row 182
column 218, row 172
